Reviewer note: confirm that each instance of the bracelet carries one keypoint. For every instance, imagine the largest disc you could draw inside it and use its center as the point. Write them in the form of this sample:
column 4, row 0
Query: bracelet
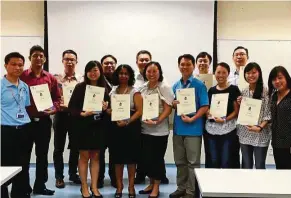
column 261, row 128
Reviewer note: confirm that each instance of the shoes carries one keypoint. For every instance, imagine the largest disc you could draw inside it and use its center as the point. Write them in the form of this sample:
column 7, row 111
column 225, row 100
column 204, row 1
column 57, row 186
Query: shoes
column 75, row 179
column 188, row 196
column 44, row 191
column 165, row 181
column 118, row 195
column 139, row 180
column 144, row 192
column 177, row 194
column 83, row 195
column 131, row 195
column 154, row 196
column 60, row 183
column 95, row 196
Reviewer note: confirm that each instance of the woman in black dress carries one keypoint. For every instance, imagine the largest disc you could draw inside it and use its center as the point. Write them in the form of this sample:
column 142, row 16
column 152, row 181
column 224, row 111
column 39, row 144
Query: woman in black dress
column 126, row 142
column 88, row 126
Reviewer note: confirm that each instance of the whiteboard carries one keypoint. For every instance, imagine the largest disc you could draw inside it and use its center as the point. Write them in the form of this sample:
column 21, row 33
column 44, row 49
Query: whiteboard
column 267, row 54
column 21, row 44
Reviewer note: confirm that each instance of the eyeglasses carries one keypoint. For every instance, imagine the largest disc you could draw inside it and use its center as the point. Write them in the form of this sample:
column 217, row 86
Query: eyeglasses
column 69, row 59
column 109, row 63
column 239, row 54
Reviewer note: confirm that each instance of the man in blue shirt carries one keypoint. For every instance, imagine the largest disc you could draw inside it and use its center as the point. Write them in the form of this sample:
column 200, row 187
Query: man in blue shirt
column 188, row 129
column 14, row 124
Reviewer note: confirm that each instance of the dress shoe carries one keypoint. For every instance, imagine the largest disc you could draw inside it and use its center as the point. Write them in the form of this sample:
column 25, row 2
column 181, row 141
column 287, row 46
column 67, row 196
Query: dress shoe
column 144, row 192
column 165, row 181
column 177, row 194
column 83, row 195
column 44, row 191
column 75, row 179
column 131, row 195
column 154, row 196
column 118, row 195
column 60, row 183
column 95, row 196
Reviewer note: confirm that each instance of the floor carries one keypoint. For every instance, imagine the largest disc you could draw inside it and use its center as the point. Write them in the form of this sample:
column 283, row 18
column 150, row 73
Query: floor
column 73, row 191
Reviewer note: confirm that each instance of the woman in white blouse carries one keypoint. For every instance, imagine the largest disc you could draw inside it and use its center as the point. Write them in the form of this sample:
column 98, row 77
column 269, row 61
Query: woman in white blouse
column 254, row 140
column 155, row 132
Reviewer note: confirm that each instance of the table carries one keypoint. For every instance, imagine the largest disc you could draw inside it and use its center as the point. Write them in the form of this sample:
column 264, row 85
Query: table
column 7, row 173
column 243, row 183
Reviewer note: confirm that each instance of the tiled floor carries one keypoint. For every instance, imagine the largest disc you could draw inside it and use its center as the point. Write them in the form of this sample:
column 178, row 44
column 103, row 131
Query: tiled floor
column 73, row 191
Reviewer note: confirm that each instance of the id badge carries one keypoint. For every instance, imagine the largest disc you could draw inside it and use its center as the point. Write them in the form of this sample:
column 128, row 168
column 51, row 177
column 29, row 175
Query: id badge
column 20, row 115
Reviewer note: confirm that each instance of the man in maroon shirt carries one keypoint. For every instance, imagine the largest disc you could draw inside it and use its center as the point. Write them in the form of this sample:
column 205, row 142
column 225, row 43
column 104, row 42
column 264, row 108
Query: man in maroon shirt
column 40, row 133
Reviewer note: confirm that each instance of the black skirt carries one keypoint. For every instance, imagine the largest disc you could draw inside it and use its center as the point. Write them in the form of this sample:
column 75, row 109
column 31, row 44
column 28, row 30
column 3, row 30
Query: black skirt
column 125, row 143
column 88, row 133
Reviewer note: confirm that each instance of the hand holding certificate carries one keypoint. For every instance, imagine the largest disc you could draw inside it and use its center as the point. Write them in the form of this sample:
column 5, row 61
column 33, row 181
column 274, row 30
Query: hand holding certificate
column 93, row 100
column 68, row 89
column 150, row 107
column 187, row 102
column 219, row 104
column 120, row 104
column 42, row 97
column 249, row 112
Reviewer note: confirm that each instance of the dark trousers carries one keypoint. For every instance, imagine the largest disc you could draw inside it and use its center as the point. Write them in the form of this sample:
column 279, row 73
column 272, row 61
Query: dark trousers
column 13, row 147
column 248, row 153
column 154, row 149
column 235, row 155
column 40, row 135
column 282, row 158
column 220, row 148
column 62, row 125
column 140, row 168
column 206, row 150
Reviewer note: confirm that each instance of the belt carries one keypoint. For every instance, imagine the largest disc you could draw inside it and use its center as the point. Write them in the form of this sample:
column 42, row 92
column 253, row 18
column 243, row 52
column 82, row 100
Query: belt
column 37, row 119
column 14, row 127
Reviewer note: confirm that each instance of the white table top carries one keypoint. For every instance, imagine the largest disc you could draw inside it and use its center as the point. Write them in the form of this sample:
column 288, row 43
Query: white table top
column 7, row 173
column 244, row 183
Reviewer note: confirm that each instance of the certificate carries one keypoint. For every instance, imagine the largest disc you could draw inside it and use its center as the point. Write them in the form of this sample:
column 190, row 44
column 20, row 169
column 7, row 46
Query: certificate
column 207, row 79
column 41, row 96
column 219, row 104
column 249, row 111
column 242, row 83
column 120, row 104
column 150, row 107
column 187, row 105
column 68, row 89
column 93, row 98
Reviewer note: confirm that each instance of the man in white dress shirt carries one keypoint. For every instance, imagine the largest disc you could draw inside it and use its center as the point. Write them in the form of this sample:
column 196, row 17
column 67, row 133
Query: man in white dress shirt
column 240, row 58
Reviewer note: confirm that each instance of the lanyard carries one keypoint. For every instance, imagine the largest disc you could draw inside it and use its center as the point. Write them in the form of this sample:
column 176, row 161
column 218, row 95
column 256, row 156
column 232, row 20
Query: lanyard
column 182, row 86
column 19, row 97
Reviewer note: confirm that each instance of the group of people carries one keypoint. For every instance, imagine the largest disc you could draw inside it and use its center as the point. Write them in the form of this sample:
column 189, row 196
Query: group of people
column 139, row 144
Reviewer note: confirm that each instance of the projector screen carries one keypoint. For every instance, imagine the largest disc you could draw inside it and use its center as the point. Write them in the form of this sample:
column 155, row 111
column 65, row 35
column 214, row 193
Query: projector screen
column 94, row 29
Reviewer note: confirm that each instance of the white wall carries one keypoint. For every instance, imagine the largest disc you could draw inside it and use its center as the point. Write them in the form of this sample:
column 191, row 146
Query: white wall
column 235, row 22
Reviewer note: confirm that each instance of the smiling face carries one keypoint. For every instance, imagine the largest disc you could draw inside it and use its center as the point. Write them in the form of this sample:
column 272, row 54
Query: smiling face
column 108, row 66
column 123, row 76
column 186, row 67
column 153, row 74
column 280, row 82
column 221, row 74
column 142, row 61
column 203, row 65
column 93, row 74
column 252, row 76
column 37, row 59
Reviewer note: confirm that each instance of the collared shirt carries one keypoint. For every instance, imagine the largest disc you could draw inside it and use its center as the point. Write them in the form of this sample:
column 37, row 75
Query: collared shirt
column 195, row 128
column 233, row 77
column 14, row 99
column 64, row 79
column 46, row 78
column 139, row 81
